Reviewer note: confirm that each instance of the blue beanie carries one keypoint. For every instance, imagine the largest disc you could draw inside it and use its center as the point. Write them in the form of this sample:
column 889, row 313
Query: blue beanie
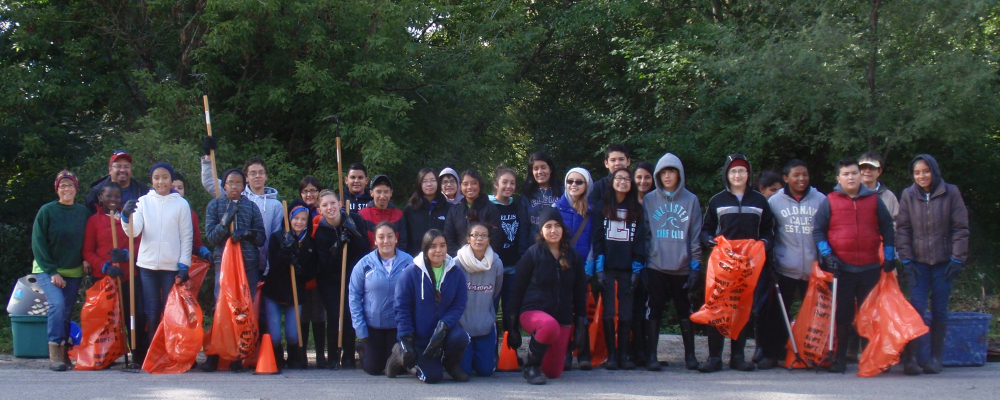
column 161, row 165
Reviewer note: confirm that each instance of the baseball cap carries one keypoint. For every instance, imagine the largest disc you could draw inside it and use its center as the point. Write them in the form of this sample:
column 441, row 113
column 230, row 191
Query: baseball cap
column 380, row 180
column 120, row 154
column 873, row 163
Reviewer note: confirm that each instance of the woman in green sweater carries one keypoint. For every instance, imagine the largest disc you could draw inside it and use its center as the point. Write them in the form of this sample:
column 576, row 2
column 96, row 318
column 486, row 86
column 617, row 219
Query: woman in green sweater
column 57, row 243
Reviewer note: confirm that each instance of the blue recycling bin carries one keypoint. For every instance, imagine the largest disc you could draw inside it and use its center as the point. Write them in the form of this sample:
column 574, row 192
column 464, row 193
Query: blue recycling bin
column 965, row 343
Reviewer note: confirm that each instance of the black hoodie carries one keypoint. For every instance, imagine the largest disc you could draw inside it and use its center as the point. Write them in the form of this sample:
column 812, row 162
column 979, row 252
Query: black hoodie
column 734, row 219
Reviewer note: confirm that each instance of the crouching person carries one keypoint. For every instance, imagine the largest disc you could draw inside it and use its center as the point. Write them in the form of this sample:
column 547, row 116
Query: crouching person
column 485, row 273
column 430, row 299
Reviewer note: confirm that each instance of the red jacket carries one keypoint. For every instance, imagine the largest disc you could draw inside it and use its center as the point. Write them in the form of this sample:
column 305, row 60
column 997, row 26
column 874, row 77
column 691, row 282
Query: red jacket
column 373, row 215
column 97, row 242
column 197, row 234
column 854, row 228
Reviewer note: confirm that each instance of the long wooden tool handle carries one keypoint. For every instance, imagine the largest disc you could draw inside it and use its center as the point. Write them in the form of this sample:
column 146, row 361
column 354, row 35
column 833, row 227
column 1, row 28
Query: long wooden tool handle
column 343, row 278
column 131, row 282
column 211, row 153
column 295, row 289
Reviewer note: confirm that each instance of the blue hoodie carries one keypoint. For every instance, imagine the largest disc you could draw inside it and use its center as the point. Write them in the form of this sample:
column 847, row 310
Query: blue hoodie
column 373, row 292
column 417, row 308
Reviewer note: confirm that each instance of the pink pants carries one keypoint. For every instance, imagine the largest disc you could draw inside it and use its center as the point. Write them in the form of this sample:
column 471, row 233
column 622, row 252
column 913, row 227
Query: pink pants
column 546, row 330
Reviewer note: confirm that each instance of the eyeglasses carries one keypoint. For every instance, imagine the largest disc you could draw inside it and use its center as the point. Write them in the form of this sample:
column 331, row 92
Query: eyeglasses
column 571, row 182
column 622, row 179
column 310, row 191
column 121, row 167
column 234, row 184
column 737, row 172
column 479, row 237
column 448, row 183
column 67, row 186
column 254, row 174
column 428, row 181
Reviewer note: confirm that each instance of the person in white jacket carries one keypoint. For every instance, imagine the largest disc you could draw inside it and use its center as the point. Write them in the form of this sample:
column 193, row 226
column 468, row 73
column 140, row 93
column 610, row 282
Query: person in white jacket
column 163, row 218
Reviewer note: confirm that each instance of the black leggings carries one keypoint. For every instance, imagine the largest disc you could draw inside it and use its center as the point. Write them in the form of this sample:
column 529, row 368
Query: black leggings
column 329, row 291
column 773, row 333
column 624, row 295
column 377, row 347
column 665, row 287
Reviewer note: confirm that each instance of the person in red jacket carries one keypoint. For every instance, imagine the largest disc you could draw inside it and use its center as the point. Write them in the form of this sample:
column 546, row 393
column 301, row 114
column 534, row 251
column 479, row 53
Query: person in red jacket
column 108, row 260
column 381, row 209
column 849, row 227
column 199, row 248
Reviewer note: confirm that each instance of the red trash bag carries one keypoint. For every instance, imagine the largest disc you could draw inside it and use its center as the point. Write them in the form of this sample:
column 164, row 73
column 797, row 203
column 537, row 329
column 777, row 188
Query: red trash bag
column 252, row 361
column 888, row 321
column 733, row 269
column 811, row 328
column 100, row 320
column 179, row 337
column 234, row 326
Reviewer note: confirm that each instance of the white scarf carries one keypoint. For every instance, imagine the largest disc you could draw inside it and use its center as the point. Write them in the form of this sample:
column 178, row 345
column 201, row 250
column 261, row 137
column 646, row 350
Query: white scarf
column 469, row 262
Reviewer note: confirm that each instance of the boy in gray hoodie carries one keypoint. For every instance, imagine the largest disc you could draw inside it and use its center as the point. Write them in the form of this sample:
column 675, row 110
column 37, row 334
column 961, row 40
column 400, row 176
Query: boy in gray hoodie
column 673, row 218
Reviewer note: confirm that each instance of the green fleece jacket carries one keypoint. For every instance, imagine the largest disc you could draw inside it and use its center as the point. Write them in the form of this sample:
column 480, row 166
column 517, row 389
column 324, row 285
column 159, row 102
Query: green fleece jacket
column 57, row 239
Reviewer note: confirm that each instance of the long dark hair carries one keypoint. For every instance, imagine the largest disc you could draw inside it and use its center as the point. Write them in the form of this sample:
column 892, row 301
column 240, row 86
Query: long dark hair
column 480, row 200
column 417, row 200
column 530, row 185
column 426, row 246
column 633, row 210
column 564, row 247
column 649, row 168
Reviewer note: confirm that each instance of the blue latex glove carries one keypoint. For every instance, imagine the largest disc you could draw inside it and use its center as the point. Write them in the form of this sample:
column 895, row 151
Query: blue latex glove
column 695, row 265
column 907, row 262
column 890, row 253
column 824, row 248
column 599, row 264
column 637, row 267
column 111, row 270
column 205, row 253
column 182, row 273
column 588, row 268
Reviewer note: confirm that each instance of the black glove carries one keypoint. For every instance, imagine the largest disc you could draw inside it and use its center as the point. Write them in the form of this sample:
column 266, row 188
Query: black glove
column 513, row 332
column 111, row 270
column 240, row 234
column 911, row 272
column 345, row 236
column 183, row 276
column 435, row 348
column 831, row 264
column 118, row 255
column 409, row 352
column 579, row 331
column 635, row 281
column 288, row 241
column 692, row 280
column 128, row 209
column 298, row 267
column 228, row 216
column 600, row 281
column 709, row 244
column 208, row 144
column 889, row 265
column 952, row 271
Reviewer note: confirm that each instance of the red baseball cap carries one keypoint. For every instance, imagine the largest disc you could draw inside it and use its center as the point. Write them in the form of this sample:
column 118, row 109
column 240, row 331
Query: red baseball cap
column 120, row 154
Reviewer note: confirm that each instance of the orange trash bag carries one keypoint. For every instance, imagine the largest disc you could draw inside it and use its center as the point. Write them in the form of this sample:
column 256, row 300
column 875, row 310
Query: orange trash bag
column 888, row 321
column 733, row 269
column 234, row 326
column 100, row 320
column 178, row 339
column 811, row 328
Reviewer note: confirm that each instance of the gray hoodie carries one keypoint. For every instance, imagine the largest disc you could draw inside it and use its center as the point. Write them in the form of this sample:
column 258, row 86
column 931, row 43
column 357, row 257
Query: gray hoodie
column 794, row 248
column 674, row 224
column 484, row 287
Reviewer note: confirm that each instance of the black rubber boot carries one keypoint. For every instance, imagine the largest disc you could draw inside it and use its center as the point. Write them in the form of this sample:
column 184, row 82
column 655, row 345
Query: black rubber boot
column 737, row 358
column 394, row 366
column 852, row 347
column 319, row 336
column 211, row 364
column 568, row 364
column 687, row 333
column 652, row 342
column 909, row 359
column 715, row 343
column 939, row 331
column 637, row 344
column 840, row 361
column 624, row 351
column 758, row 355
column 609, row 342
column 294, row 357
column 533, row 362
column 453, row 366
column 583, row 352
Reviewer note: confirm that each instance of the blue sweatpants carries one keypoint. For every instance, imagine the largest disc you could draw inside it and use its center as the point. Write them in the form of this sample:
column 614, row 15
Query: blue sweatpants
column 432, row 370
column 481, row 355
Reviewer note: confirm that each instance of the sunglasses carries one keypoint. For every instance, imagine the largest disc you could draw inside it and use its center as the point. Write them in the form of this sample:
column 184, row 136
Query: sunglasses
column 571, row 182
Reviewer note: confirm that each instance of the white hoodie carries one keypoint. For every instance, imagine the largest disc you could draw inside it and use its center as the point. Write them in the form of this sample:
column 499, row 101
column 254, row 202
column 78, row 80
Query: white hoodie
column 165, row 225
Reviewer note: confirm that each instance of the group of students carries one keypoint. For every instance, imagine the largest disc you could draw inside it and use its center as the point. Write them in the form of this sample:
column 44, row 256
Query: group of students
column 635, row 238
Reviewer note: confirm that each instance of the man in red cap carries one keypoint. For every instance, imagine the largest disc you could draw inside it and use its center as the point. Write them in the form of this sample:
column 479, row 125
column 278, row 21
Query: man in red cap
column 119, row 171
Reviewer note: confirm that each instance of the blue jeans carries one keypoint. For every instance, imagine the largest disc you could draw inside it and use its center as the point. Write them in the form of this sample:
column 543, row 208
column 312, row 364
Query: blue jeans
column 156, row 286
column 481, row 355
column 252, row 279
column 273, row 312
column 931, row 285
column 61, row 303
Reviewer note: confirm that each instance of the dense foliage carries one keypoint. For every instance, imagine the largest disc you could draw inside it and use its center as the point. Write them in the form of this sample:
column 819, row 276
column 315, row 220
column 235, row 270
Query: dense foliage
column 474, row 84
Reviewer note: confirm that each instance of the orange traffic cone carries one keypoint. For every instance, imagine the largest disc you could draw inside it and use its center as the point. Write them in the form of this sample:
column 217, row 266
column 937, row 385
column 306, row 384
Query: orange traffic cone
column 265, row 363
column 508, row 357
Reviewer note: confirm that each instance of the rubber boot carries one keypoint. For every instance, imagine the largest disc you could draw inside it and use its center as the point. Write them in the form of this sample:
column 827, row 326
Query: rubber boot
column 652, row 335
column 939, row 331
column 237, row 366
column 758, row 355
column 453, row 366
column 637, row 344
column 583, row 355
column 840, row 361
column 533, row 362
column 55, row 357
column 279, row 357
column 394, row 366
column 687, row 333
column 909, row 359
column 211, row 364
column 294, row 357
column 715, row 344
column 609, row 342
column 852, row 347
column 737, row 358
column 319, row 336
column 65, row 356
column 624, row 345
column 568, row 364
